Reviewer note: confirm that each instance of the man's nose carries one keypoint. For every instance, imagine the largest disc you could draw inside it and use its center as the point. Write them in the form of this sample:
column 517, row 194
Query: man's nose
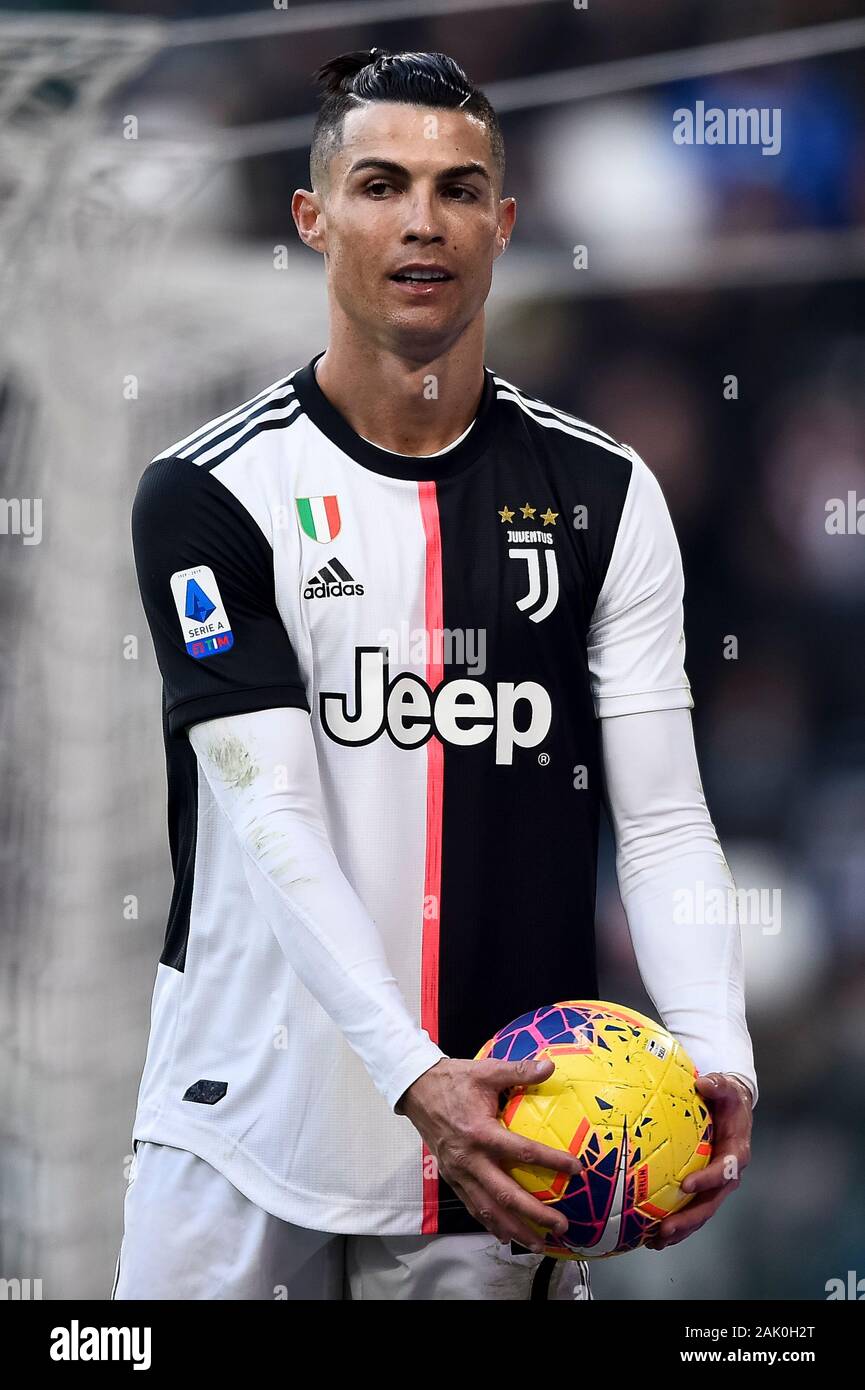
column 423, row 218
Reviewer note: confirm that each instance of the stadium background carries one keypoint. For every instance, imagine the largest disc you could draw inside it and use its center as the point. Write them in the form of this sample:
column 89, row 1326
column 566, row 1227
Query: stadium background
column 143, row 290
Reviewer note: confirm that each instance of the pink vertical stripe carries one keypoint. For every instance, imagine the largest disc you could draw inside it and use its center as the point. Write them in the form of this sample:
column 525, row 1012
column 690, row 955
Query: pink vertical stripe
column 434, row 624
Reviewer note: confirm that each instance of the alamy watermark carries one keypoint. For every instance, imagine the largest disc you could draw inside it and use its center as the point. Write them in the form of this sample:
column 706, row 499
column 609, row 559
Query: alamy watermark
column 850, row 1288
column 438, row 646
column 737, row 126
column 77, row 1343
column 20, row 1290
column 845, row 516
column 21, row 516
column 710, row 905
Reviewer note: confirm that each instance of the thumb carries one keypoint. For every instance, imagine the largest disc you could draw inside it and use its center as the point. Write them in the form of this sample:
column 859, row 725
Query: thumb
column 527, row 1072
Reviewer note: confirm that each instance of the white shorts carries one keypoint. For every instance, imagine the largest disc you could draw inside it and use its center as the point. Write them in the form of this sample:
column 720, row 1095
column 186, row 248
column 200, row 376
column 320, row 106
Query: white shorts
column 189, row 1234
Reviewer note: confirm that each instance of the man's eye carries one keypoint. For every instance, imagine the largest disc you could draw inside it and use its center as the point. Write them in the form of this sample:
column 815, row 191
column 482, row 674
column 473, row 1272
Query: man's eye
column 458, row 192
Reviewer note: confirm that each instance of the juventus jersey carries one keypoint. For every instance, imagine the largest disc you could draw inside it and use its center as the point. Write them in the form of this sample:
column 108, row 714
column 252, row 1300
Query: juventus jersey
column 455, row 625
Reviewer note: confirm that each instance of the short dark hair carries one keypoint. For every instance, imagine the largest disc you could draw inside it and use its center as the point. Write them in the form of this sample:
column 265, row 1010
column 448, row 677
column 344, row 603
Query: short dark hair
column 375, row 74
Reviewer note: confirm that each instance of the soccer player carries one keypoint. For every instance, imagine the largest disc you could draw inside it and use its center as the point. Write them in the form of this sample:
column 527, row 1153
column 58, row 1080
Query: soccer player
column 412, row 623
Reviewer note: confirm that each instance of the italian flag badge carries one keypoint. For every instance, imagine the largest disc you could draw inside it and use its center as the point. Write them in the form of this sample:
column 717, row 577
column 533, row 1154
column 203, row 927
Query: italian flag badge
column 319, row 517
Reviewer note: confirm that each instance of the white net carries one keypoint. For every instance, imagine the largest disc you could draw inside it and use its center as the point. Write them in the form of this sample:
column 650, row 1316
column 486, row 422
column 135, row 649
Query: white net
column 124, row 334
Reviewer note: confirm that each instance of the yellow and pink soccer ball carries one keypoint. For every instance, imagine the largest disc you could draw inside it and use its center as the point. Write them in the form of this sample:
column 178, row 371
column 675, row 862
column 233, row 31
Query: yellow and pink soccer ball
column 622, row 1098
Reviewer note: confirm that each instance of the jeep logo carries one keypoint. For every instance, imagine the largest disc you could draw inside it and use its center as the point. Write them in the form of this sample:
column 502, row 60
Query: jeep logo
column 459, row 711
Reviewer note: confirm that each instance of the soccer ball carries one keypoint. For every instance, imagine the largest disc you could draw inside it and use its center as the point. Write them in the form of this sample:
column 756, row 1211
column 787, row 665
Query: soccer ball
column 623, row 1099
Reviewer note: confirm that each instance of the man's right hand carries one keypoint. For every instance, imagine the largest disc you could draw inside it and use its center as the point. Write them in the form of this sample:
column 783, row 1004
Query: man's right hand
column 454, row 1107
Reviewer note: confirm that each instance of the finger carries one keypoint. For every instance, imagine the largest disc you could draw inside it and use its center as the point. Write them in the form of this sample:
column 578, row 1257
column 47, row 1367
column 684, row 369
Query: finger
column 517, row 1151
column 504, row 1223
column 677, row 1234
column 719, row 1088
column 500, row 1198
column 731, row 1154
column 684, row 1223
column 515, row 1200
column 697, row 1212
column 476, row 1201
column 690, row 1217
column 503, row 1075
column 712, row 1176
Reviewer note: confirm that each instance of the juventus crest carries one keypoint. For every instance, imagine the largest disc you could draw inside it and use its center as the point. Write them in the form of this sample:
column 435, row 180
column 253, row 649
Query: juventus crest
column 543, row 580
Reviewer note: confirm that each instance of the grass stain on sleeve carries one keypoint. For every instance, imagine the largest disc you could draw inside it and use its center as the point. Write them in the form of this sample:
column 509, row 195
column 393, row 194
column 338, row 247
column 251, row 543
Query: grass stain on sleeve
column 234, row 761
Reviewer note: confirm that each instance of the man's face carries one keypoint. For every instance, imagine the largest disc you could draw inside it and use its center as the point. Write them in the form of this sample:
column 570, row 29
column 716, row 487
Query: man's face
column 411, row 184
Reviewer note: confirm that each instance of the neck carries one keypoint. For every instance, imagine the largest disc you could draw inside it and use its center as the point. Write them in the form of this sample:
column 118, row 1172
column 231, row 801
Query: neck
column 410, row 404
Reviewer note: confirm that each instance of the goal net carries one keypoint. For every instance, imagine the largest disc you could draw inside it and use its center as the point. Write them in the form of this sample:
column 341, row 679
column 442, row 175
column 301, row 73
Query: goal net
column 128, row 321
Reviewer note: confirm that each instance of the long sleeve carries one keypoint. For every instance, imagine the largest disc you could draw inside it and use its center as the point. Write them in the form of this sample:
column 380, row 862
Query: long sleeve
column 670, row 864
column 263, row 772
column 232, row 684
column 668, row 857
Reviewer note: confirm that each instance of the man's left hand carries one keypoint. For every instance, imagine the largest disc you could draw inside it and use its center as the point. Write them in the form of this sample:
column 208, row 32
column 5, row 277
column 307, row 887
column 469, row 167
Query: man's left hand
column 729, row 1101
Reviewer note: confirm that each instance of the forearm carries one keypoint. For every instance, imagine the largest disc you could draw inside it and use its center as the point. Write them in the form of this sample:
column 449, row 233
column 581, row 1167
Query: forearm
column 670, row 864
column 263, row 772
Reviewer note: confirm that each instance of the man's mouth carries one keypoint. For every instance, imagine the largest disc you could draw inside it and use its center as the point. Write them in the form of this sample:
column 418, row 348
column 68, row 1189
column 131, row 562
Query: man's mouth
column 420, row 277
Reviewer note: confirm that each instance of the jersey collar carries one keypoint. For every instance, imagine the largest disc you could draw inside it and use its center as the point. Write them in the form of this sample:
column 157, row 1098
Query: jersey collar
column 328, row 419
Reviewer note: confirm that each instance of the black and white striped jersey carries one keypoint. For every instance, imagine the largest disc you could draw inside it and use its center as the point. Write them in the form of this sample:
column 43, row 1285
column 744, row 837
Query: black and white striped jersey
column 455, row 624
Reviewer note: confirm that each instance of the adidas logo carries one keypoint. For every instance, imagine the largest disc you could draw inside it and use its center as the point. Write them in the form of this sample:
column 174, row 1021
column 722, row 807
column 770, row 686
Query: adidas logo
column 332, row 581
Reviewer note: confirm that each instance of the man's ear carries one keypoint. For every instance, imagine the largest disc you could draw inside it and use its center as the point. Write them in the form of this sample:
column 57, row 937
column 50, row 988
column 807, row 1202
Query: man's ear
column 507, row 218
column 308, row 214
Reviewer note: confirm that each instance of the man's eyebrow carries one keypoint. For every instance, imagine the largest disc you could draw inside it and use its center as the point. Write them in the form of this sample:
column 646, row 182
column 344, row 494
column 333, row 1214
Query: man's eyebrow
column 456, row 171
